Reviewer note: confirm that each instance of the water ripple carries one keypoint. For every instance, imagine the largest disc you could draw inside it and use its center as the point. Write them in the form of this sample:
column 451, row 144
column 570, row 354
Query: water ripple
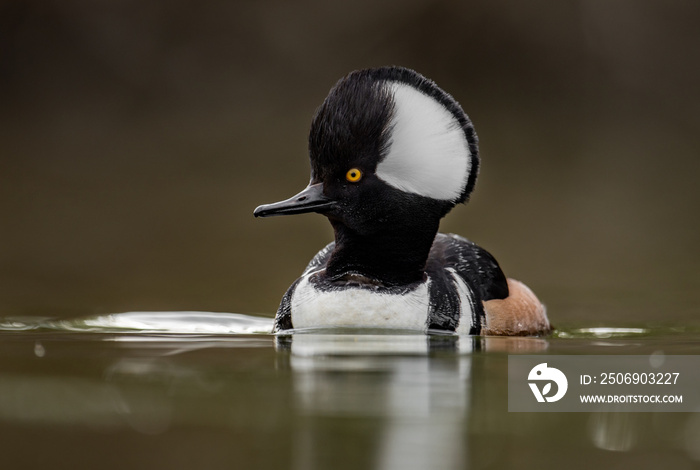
column 204, row 323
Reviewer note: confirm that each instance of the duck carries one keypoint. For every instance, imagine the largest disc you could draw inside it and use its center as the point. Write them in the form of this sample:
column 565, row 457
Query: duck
column 391, row 154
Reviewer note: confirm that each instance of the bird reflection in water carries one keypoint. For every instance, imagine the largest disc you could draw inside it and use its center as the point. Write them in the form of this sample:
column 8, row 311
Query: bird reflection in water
column 407, row 398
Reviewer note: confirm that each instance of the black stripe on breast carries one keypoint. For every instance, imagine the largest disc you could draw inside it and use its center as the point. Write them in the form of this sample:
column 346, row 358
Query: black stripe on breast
column 478, row 315
column 444, row 310
column 283, row 319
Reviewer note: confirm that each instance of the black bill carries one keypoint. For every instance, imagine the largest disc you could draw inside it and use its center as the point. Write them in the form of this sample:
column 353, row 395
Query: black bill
column 310, row 199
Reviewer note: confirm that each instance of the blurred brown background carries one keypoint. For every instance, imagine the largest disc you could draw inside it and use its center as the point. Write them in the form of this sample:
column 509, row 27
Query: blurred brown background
column 137, row 137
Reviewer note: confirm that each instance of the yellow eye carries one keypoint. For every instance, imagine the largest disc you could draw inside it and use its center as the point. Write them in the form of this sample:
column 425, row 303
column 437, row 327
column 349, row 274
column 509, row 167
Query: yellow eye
column 353, row 175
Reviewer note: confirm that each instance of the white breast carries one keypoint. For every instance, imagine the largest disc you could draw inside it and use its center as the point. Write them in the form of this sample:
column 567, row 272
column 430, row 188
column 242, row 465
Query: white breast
column 357, row 307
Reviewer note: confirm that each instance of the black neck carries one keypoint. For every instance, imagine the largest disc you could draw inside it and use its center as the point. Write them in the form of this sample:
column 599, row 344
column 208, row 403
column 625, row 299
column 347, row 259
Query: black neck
column 393, row 257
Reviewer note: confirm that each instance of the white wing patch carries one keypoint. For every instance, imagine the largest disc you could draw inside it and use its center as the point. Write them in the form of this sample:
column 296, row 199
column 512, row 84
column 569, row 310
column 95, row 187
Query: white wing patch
column 428, row 152
column 465, row 301
column 357, row 307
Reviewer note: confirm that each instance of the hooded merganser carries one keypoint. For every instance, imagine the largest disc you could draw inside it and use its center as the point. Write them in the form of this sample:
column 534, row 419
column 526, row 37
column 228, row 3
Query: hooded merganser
column 391, row 154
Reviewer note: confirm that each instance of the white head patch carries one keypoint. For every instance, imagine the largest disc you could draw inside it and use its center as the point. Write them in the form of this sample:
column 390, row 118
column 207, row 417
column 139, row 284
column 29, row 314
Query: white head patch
column 428, row 152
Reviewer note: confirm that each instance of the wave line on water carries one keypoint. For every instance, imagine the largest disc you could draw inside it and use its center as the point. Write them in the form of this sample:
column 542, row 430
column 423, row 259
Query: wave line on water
column 187, row 322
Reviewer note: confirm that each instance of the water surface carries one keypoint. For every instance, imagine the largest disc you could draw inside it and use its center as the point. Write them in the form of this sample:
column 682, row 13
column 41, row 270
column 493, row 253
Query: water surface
column 210, row 390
